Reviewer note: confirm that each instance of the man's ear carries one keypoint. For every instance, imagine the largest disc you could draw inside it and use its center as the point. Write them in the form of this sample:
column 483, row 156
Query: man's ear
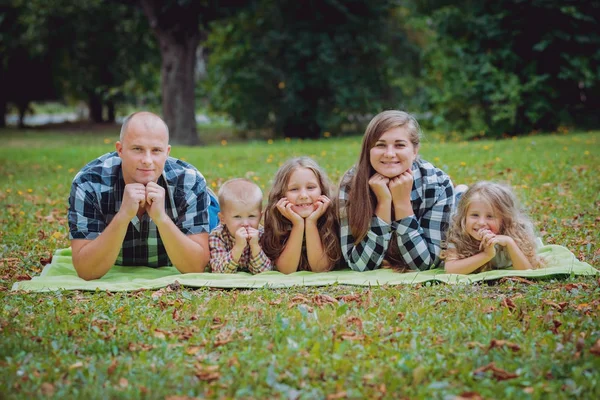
column 168, row 150
column 119, row 148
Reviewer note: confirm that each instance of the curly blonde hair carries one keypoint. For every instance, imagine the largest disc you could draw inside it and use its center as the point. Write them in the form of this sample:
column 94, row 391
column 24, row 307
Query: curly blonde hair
column 514, row 223
column 278, row 228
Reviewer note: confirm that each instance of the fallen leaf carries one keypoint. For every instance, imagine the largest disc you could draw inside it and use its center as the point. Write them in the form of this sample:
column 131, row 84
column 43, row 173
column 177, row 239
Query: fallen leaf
column 595, row 349
column 159, row 334
column 222, row 342
column 47, row 389
column 78, row 364
column 113, row 365
column 558, row 306
column 472, row 345
column 192, row 350
column 207, row 373
column 508, row 303
column 45, row 261
column 322, row 299
column 351, row 336
column 158, row 294
column 497, row 373
column 468, row 396
column 123, row 382
column 504, row 343
column 441, row 301
column 356, row 321
column 516, row 279
column 350, row 297
column 339, row 395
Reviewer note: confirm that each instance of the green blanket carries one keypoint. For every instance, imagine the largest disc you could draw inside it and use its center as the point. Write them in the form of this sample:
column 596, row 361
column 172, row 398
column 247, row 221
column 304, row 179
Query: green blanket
column 60, row 274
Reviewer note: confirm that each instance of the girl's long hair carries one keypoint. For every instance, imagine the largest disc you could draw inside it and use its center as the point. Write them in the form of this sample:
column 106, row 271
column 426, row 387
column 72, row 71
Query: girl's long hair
column 514, row 223
column 361, row 203
column 278, row 228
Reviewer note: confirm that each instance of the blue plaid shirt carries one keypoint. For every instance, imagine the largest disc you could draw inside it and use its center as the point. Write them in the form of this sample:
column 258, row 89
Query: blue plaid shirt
column 97, row 193
column 412, row 242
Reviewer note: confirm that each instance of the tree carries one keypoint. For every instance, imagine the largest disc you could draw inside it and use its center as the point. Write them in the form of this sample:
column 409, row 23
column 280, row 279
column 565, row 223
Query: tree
column 97, row 48
column 25, row 74
column 493, row 66
column 180, row 26
column 301, row 68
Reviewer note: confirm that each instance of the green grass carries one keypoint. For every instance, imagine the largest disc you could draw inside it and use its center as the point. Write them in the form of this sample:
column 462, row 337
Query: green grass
column 388, row 342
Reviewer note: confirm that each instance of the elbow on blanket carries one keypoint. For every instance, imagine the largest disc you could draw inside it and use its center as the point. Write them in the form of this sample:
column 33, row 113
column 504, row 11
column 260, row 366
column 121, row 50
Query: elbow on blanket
column 86, row 274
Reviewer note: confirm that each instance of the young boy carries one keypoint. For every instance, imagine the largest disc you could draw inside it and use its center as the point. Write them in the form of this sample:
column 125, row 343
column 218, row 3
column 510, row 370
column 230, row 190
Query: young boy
column 234, row 243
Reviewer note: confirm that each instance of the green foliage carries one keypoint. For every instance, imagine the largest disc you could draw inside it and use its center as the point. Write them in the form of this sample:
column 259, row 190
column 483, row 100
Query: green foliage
column 432, row 341
column 101, row 50
column 304, row 68
column 495, row 67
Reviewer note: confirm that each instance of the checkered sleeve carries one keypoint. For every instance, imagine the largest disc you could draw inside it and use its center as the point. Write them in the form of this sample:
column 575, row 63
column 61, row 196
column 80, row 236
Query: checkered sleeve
column 86, row 220
column 193, row 210
column 368, row 254
column 420, row 239
column 220, row 257
column 260, row 263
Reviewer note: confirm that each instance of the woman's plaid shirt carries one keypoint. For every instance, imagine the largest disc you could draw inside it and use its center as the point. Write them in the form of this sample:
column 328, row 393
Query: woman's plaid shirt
column 418, row 236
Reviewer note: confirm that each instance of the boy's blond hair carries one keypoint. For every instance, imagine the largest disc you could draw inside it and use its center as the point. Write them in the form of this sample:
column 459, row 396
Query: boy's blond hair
column 240, row 190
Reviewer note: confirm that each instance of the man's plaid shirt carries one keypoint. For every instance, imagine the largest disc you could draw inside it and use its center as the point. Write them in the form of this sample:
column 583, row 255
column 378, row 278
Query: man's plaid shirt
column 97, row 193
column 221, row 242
column 418, row 236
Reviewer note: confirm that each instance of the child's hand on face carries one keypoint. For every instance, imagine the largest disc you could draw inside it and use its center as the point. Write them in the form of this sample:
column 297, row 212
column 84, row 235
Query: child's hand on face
column 379, row 185
column 241, row 237
column 253, row 236
column 503, row 240
column 322, row 204
column 285, row 208
column 488, row 240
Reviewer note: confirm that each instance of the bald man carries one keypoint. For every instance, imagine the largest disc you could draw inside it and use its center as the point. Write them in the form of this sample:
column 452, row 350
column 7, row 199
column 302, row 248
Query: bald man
column 138, row 206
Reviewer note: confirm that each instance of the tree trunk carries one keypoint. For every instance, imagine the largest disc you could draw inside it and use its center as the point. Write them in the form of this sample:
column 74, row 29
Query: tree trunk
column 178, row 83
column 95, row 107
column 2, row 112
column 178, row 46
column 23, row 106
column 110, row 105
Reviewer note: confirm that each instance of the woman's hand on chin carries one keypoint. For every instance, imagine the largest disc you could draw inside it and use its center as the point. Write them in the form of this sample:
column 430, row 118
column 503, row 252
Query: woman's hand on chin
column 379, row 185
column 401, row 187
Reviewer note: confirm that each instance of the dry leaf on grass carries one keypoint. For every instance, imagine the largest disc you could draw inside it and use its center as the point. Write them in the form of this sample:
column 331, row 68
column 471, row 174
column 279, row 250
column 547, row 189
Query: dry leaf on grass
column 497, row 373
column 503, row 343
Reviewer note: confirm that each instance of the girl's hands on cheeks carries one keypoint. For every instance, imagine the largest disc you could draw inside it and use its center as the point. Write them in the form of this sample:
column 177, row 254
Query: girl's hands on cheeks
column 379, row 186
column 401, row 186
column 285, row 208
column 322, row 204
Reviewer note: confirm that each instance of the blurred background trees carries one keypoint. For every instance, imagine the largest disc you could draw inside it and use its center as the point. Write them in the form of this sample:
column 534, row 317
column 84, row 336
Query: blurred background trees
column 303, row 68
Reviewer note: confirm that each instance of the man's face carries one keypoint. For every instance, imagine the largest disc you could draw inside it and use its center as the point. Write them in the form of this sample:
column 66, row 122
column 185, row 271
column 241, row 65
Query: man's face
column 235, row 215
column 143, row 151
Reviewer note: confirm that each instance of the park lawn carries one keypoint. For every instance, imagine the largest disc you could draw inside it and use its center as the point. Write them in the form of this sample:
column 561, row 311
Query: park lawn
column 511, row 339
